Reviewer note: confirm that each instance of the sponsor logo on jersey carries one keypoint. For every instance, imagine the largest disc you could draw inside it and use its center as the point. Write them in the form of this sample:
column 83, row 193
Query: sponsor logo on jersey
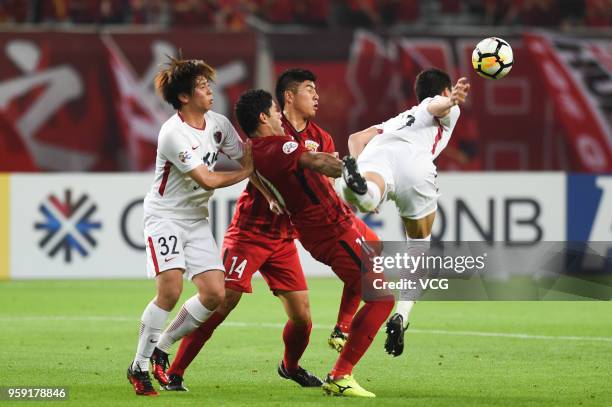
column 210, row 158
column 311, row 145
column 289, row 147
column 67, row 225
column 184, row 156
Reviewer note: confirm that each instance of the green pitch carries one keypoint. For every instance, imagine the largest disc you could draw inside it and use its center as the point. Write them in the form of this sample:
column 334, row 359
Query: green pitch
column 82, row 334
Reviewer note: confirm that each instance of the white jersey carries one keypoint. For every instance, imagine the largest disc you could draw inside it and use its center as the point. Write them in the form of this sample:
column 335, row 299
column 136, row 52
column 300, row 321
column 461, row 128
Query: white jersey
column 419, row 128
column 180, row 149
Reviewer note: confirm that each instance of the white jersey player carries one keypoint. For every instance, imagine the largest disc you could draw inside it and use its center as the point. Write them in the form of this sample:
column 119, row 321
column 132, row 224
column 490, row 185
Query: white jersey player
column 394, row 160
column 177, row 232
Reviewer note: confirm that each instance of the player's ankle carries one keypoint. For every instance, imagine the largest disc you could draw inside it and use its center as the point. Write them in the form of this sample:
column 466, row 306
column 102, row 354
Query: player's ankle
column 339, row 375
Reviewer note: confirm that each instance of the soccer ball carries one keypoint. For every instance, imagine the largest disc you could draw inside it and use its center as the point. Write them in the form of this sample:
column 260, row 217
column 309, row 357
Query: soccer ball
column 492, row 58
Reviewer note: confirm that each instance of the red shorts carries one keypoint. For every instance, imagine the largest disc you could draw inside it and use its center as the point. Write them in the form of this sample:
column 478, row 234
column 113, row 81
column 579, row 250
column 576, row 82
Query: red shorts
column 277, row 261
column 368, row 234
column 343, row 253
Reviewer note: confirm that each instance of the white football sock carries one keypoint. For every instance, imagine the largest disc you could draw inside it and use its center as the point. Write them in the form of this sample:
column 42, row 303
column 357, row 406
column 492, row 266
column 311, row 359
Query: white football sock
column 403, row 308
column 151, row 324
column 191, row 316
column 366, row 202
column 416, row 247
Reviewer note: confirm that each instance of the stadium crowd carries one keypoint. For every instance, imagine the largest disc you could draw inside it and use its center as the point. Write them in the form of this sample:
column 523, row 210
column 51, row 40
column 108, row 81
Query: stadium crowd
column 232, row 15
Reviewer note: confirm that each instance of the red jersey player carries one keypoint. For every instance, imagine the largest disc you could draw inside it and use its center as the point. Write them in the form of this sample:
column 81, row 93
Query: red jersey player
column 325, row 226
column 298, row 99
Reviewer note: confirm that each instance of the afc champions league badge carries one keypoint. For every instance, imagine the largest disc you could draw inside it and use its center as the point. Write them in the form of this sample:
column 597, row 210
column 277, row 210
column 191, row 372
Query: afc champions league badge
column 311, row 145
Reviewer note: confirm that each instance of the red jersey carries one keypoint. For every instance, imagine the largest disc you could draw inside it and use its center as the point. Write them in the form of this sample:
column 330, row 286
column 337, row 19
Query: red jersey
column 315, row 139
column 252, row 211
column 316, row 210
column 253, row 214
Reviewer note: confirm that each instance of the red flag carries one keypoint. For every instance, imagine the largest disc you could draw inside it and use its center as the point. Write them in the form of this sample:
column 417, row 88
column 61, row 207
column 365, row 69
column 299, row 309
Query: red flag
column 139, row 119
column 566, row 66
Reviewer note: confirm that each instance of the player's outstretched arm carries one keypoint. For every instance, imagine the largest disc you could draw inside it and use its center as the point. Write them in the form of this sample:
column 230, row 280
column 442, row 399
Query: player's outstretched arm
column 358, row 141
column 440, row 106
column 324, row 163
column 211, row 180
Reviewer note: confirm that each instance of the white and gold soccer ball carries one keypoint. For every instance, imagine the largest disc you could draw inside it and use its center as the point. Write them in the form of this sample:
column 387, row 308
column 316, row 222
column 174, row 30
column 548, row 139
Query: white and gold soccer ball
column 492, row 58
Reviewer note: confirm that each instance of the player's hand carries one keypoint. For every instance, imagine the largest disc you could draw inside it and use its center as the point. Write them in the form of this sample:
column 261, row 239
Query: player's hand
column 460, row 91
column 247, row 156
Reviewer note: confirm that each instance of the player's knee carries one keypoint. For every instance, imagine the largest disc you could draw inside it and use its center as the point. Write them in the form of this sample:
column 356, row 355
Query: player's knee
column 301, row 318
column 300, row 315
column 168, row 297
column 229, row 302
column 214, row 298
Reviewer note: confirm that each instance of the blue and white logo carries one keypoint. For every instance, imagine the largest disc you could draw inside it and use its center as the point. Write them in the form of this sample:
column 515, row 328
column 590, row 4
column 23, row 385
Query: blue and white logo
column 67, row 225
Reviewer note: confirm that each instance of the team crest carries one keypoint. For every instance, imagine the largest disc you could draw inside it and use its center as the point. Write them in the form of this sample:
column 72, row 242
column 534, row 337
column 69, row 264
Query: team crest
column 289, row 147
column 311, row 145
column 184, row 156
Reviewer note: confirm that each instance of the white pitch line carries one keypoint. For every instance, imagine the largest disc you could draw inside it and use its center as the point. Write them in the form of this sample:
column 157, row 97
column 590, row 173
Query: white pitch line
column 235, row 324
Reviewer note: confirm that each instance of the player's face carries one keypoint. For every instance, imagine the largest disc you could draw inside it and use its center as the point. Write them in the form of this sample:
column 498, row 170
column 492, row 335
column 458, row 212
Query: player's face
column 202, row 97
column 276, row 123
column 306, row 100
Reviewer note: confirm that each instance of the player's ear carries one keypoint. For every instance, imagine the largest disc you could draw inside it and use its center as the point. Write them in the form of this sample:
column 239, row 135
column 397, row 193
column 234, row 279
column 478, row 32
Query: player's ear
column 263, row 118
column 183, row 98
column 288, row 94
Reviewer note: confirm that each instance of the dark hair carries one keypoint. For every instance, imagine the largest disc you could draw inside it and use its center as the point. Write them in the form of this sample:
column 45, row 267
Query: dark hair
column 249, row 106
column 290, row 80
column 180, row 76
column 431, row 82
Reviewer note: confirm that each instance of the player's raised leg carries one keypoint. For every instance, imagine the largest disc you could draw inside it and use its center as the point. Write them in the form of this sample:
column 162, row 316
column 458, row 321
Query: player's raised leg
column 365, row 191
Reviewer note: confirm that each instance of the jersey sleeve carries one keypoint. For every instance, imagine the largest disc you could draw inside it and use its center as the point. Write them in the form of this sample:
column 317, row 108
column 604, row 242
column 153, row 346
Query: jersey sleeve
column 450, row 120
column 289, row 154
column 418, row 117
column 231, row 144
column 278, row 157
column 174, row 147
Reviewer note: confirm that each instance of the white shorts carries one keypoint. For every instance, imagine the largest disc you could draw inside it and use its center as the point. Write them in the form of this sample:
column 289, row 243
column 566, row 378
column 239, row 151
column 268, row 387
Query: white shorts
column 182, row 244
column 409, row 174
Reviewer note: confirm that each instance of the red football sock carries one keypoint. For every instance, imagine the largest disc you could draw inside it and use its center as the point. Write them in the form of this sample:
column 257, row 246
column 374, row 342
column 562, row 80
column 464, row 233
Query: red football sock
column 193, row 343
column 296, row 339
column 363, row 330
column 348, row 307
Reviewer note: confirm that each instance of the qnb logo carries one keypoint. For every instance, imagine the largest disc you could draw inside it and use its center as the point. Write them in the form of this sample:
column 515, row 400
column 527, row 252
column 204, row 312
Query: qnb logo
column 67, row 225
